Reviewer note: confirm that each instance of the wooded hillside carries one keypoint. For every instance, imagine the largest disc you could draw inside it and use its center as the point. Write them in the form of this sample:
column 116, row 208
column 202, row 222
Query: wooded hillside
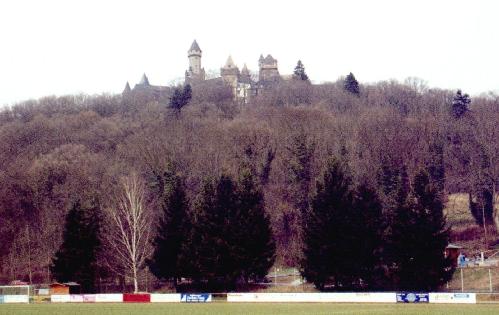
column 59, row 150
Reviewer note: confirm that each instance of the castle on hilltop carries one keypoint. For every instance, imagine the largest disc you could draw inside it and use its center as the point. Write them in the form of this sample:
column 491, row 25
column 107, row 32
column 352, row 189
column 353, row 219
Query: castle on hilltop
column 243, row 85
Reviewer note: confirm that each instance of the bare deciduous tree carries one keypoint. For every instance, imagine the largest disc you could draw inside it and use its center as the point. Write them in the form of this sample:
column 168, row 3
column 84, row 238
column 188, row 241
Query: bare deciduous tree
column 129, row 224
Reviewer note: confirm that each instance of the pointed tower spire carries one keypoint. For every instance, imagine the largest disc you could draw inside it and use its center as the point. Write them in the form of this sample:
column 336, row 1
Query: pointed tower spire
column 127, row 88
column 229, row 63
column 245, row 76
column 195, row 47
column 144, row 80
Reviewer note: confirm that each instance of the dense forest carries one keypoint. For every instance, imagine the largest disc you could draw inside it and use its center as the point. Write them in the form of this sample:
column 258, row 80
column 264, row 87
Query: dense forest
column 64, row 154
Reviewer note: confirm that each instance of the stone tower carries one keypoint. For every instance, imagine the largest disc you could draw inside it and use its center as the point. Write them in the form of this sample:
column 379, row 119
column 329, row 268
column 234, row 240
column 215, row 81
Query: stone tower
column 230, row 73
column 195, row 71
column 268, row 69
column 245, row 76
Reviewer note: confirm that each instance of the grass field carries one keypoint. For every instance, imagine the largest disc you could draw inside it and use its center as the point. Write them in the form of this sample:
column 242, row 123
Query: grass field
column 245, row 308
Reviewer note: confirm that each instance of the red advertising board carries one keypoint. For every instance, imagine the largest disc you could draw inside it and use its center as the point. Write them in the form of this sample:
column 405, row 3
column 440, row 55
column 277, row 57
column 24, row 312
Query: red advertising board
column 136, row 298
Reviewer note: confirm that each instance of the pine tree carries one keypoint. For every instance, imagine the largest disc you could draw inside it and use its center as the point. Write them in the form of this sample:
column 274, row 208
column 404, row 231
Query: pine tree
column 299, row 72
column 232, row 239
column 258, row 246
column 417, row 239
column 173, row 229
column 460, row 104
column 76, row 258
column 180, row 98
column 351, row 85
column 367, row 248
column 328, row 231
column 186, row 94
column 218, row 253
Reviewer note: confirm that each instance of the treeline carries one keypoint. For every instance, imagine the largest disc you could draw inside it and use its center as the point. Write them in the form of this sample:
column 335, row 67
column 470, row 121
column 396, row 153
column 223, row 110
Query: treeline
column 352, row 241
column 223, row 240
column 60, row 150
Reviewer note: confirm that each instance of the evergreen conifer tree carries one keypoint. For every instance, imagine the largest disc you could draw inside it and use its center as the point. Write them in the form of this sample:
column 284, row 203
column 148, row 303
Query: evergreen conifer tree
column 328, row 231
column 299, row 72
column 366, row 252
column 257, row 242
column 186, row 94
column 180, row 98
column 351, row 84
column 232, row 240
column 173, row 229
column 417, row 239
column 460, row 104
column 217, row 252
column 76, row 258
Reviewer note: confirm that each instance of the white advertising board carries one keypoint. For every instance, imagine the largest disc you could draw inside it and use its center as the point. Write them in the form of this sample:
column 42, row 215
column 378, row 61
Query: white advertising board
column 76, row 298
column 455, row 298
column 16, row 299
column 89, row 298
column 361, row 297
column 60, row 298
column 109, row 298
column 165, row 298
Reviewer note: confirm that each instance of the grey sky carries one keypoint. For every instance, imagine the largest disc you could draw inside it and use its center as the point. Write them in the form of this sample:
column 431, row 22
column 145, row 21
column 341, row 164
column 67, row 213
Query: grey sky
column 64, row 47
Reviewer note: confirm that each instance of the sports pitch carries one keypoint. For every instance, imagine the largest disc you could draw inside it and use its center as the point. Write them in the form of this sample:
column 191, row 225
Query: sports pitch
column 245, row 308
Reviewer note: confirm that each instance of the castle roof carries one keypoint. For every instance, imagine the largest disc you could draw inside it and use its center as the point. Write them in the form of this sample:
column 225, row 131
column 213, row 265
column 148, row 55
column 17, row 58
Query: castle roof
column 269, row 60
column 261, row 58
column 144, row 80
column 245, row 69
column 127, row 88
column 229, row 63
column 195, row 46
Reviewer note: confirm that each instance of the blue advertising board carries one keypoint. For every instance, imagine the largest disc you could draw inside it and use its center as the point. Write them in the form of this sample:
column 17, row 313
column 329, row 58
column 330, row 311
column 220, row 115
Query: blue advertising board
column 410, row 297
column 1, row 299
column 195, row 298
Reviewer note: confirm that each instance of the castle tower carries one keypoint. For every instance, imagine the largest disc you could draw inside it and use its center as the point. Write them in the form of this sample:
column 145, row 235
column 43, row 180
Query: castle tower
column 268, row 69
column 230, row 72
column 245, row 76
column 195, row 71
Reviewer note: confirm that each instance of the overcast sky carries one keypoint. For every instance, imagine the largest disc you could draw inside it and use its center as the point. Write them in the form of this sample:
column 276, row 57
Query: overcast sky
column 54, row 47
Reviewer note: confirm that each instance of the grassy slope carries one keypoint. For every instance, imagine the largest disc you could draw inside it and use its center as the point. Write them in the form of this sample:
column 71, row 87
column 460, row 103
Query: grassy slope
column 253, row 309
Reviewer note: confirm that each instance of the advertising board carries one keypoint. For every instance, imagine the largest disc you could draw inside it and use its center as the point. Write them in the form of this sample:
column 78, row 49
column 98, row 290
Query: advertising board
column 76, row 298
column 109, row 298
column 60, row 298
column 16, row 299
column 195, row 298
column 412, row 297
column 165, row 298
column 455, row 298
column 360, row 297
column 136, row 298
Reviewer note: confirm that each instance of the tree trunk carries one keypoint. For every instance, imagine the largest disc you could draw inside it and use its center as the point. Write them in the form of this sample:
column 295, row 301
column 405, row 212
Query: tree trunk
column 135, row 282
